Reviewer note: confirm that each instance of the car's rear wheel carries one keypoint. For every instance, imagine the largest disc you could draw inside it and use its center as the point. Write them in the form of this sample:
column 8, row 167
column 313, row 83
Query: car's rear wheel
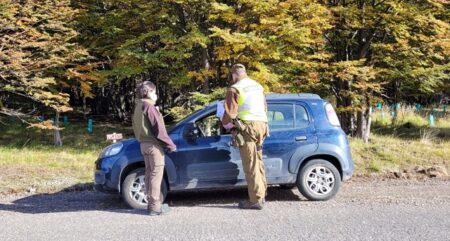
column 133, row 189
column 318, row 180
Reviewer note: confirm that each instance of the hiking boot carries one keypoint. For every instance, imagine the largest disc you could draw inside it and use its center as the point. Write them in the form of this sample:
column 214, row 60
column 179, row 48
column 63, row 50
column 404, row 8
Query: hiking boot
column 250, row 205
column 162, row 211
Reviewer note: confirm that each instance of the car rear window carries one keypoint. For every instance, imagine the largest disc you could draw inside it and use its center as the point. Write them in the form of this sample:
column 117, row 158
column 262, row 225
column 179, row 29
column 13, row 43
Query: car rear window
column 301, row 117
column 287, row 116
column 280, row 116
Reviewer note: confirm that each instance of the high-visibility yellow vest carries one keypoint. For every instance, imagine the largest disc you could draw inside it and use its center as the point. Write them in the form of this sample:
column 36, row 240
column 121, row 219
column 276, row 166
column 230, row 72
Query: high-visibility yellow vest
column 251, row 100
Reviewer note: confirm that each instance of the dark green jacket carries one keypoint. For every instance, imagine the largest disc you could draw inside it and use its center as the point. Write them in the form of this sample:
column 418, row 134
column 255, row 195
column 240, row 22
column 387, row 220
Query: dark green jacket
column 148, row 124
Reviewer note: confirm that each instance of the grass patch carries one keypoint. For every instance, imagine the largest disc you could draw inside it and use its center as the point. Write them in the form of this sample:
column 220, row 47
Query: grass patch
column 74, row 136
column 411, row 124
column 374, row 166
column 44, row 169
column 384, row 152
column 29, row 161
column 404, row 143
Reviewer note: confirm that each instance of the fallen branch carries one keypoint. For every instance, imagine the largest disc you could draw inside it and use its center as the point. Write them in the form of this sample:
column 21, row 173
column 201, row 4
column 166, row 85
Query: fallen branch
column 14, row 113
column 26, row 142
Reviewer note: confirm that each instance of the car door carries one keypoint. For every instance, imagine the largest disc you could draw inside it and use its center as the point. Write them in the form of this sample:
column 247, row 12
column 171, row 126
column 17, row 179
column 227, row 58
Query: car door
column 290, row 127
column 204, row 157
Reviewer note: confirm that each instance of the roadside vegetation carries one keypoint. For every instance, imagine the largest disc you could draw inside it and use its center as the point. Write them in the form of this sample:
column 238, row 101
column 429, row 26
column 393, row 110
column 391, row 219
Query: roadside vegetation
column 86, row 58
column 405, row 145
column 29, row 162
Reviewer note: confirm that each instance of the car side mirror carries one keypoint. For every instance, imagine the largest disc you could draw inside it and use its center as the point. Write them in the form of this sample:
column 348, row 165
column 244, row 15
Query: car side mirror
column 193, row 133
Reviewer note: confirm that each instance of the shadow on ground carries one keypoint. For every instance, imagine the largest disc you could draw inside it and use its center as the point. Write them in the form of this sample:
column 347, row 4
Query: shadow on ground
column 71, row 200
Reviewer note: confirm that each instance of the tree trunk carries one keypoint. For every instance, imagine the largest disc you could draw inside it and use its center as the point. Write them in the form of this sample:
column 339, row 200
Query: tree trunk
column 56, row 134
column 84, row 108
column 116, row 95
column 368, row 123
column 364, row 119
column 361, row 124
column 396, row 97
column 206, row 66
column 346, row 117
column 347, row 120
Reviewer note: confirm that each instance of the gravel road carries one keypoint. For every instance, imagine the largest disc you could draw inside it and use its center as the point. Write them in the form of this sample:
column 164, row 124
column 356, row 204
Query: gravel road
column 363, row 210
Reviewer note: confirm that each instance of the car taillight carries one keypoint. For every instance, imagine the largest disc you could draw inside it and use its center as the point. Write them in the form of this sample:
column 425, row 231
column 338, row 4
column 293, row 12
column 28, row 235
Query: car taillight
column 331, row 114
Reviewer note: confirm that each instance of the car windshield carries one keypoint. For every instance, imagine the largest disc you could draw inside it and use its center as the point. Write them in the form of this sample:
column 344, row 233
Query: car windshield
column 172, row 126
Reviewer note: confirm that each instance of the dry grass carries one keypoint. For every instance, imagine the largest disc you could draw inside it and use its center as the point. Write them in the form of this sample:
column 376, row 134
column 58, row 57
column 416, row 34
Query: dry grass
column 408, row 142
column 428, row 136
column 384, row 153
column 43, row 170
column 29, row 161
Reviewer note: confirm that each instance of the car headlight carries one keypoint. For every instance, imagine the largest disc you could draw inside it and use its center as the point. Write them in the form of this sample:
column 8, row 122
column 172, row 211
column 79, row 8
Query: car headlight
column 111, row 150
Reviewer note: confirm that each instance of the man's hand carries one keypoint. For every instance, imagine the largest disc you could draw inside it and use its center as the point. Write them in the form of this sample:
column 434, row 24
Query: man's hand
column 228, row 126
column 171, row 149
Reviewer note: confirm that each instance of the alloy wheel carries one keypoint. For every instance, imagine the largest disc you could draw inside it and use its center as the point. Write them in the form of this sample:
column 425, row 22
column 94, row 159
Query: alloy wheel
column 320, row 180
column 137, row 190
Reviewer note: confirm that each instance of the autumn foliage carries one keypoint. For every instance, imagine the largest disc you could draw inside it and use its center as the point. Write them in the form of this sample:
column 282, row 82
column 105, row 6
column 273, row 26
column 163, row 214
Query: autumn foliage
column 354, row 52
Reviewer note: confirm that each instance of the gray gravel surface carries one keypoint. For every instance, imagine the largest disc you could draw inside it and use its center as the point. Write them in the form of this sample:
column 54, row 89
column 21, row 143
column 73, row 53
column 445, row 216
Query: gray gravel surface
column 363, row 210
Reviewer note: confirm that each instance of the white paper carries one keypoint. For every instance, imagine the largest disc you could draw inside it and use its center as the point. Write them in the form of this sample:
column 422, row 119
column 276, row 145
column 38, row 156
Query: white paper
column 220, row 109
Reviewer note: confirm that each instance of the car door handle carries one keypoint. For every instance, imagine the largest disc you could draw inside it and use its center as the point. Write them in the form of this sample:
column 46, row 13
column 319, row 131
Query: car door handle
column 301, row 138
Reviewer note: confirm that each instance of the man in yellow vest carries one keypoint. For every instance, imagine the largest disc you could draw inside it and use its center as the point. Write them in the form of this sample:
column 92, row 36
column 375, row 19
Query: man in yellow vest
column 245, row 104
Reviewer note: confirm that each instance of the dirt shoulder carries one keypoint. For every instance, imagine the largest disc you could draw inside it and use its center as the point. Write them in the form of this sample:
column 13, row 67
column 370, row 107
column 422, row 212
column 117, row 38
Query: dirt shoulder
column 365, row 189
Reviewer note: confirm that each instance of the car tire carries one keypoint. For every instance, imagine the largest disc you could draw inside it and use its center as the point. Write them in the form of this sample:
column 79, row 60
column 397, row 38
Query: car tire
column 318, row 180
column 133, row 190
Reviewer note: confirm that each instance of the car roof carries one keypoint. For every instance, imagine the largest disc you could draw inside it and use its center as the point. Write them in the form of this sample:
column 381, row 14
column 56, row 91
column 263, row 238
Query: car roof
column 292, row 96
column 275, row 96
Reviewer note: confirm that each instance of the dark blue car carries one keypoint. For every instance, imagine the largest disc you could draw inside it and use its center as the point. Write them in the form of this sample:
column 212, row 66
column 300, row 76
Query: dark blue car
column 306, row 148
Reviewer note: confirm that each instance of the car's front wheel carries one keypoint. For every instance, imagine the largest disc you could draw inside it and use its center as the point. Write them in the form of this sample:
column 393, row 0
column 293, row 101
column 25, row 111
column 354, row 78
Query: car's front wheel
column 318, row 180
column 133, row 189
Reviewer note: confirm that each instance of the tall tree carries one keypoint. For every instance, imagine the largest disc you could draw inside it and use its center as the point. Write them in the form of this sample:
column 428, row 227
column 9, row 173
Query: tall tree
column 35, row 49
column 382, row 43
column 147, row 40
column 356, row 51
column 280, row 41
column 188, row 45
column 414, row 56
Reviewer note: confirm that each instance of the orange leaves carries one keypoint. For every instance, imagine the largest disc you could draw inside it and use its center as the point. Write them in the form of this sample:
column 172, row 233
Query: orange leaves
column 37, row 47
column 86, row 75
column 202, row 74
column 354, row 71
column 45, row 125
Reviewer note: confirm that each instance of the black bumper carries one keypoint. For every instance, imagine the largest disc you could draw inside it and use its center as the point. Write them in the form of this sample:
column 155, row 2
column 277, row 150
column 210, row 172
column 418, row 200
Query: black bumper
column 100, row 183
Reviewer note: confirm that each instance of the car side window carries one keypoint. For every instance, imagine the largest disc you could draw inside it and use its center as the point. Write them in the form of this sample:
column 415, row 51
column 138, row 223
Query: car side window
column 280, row 116
column 210, row 125
column 301, row 117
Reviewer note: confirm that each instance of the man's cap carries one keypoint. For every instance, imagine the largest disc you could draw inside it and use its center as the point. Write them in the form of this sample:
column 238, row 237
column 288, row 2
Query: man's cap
column 237, row 67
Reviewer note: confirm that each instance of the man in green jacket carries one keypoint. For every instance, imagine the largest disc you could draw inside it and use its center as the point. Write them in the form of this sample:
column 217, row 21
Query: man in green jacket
column 150, row 131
